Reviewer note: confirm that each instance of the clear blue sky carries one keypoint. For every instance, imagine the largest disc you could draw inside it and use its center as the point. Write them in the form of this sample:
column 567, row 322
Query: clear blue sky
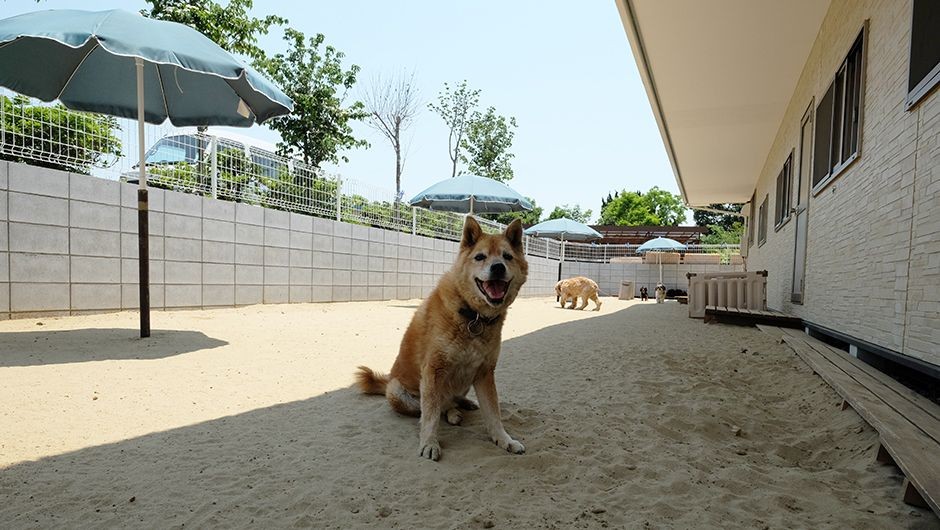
column 563, row 69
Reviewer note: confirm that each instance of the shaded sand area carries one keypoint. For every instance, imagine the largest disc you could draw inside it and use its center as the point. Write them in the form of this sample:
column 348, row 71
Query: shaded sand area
column 246, row 417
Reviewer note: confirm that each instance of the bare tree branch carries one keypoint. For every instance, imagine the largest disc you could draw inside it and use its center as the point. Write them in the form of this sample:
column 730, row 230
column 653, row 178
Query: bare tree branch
column 392, row 105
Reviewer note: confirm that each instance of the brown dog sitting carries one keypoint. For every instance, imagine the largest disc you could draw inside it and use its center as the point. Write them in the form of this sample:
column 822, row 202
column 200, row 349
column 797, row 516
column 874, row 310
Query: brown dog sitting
column 454, row 338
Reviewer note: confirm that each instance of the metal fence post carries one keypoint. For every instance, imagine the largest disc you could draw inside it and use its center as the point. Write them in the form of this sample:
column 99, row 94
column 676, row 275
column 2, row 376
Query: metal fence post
column 214, row 165
column 339, row 199
column 414, row 221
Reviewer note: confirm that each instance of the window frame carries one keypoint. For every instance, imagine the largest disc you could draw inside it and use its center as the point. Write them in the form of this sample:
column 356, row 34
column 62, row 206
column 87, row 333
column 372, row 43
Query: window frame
column 783, row 199
column 926, row 84
column 838, row 121
column 752, row 220
column 762, row 222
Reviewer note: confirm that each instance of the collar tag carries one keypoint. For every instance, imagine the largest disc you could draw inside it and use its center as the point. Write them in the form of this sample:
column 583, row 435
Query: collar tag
column 475, row 327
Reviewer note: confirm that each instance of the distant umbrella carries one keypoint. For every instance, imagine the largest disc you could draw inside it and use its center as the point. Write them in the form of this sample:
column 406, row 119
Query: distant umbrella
column 471, row 194
column 123, row 64
column 660, row 244
column 564, row 229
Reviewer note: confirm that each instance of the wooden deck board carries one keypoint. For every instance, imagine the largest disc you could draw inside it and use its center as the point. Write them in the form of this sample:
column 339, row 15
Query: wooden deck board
column 919, row 410
column 734, row 315
column 906, row 424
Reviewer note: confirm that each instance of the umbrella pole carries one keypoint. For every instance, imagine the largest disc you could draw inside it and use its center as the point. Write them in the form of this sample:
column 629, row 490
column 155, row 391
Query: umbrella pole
column 471, row 205
column 143, row 217
column 659, row 258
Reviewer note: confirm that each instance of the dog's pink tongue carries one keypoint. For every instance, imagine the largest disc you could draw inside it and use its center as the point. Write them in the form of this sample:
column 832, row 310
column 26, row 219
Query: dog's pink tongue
column 495, row 289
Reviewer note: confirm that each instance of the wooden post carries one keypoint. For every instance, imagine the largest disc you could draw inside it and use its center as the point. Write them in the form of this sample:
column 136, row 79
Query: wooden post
column 912, row 496
column 883, row 456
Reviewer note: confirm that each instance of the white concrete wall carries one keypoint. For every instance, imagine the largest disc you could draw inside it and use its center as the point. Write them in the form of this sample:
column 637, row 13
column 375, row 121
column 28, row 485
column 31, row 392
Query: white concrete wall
column 609, row 275
column 873, row 266
column 68, row 244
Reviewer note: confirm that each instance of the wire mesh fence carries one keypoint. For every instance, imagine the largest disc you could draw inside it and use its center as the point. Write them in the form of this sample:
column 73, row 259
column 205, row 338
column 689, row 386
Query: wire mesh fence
column 231, row 167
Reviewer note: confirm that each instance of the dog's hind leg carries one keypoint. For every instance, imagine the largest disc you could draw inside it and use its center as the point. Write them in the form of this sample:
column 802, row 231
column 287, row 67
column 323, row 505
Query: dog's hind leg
column 400, row 400
column 465, row 403
column 596, row 301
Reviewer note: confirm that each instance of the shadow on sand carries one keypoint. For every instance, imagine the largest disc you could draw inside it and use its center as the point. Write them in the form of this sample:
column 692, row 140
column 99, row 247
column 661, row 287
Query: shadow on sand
column 345, row 460
column 31, row 348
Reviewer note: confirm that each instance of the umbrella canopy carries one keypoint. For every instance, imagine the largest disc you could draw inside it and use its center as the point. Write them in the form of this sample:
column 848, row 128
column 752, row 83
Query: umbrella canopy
column 471, row 194
column 564, row 229
column 661, row 244
column 86, row 60
column 123, row 64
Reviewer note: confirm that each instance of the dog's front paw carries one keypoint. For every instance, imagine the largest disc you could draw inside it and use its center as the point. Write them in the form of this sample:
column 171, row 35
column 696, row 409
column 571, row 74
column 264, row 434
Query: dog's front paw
column 431, row 450
column 511, row 445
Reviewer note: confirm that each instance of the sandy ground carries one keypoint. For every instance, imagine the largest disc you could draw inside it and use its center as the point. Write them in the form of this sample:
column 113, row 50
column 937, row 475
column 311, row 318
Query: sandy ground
column 246, row 417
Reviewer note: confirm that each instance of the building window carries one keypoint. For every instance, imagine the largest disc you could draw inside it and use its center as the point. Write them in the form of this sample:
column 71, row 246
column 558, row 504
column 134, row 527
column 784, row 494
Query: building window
column 924, row 67
column 751, row 219
column 762, row 223
column 782, row 200
column 839, row 117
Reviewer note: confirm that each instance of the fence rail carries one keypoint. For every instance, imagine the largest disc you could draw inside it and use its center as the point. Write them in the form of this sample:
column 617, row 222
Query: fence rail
column 231, row 167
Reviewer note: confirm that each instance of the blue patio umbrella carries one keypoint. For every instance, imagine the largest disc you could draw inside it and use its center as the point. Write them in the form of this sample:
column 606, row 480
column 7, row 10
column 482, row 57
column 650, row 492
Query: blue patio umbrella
column 564, row 229
column 660, row 244
column 471, row 194
column 123, row 64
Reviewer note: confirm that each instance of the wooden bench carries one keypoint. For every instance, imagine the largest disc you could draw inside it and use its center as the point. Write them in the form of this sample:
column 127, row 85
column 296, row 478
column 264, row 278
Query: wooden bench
column 908, row 424
column 751, row 317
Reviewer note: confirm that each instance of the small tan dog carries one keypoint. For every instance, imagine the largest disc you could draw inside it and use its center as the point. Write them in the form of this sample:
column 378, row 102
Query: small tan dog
column 454, row 338
column 579, row 286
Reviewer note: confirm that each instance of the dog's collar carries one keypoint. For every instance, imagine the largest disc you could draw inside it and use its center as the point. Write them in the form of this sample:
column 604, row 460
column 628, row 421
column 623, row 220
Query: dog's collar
column 476, row 320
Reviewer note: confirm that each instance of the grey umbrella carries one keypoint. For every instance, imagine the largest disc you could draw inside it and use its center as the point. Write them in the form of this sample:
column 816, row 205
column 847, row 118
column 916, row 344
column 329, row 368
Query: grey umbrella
column 123, row 64
column 564, row 229
column 471, row 194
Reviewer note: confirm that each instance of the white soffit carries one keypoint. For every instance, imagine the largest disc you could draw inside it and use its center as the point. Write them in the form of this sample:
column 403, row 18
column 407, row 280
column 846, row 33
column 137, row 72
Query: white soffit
column 720, row 74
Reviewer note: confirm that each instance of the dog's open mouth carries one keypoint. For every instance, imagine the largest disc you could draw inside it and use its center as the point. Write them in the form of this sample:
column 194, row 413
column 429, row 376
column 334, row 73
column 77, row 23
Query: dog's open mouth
column 494, row 290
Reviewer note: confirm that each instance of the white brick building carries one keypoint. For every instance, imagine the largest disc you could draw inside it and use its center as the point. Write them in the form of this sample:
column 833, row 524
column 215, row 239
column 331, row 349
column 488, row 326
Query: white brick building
column 826, row 116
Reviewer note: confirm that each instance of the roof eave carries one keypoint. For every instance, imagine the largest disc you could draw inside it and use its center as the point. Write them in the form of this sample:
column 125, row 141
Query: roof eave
column 630, row 25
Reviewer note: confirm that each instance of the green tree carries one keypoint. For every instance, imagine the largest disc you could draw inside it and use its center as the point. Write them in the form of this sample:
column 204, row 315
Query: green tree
column 631, row 208
column 454, row 107
column 571, row 212
column 319, row 128
column 230, row 26
column 628, row 209
column 530, row 217
column 70, row 141
column 703, row 218
column 719, row 235
column 665, row 205
column 489, row 138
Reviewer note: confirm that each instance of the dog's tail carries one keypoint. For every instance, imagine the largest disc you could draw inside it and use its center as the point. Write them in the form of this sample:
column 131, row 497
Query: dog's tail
column 371, row 382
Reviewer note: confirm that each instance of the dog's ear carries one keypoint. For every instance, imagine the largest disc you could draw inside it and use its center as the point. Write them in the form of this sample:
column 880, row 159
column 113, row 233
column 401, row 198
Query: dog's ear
column 513, row 234
column 471, row 232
